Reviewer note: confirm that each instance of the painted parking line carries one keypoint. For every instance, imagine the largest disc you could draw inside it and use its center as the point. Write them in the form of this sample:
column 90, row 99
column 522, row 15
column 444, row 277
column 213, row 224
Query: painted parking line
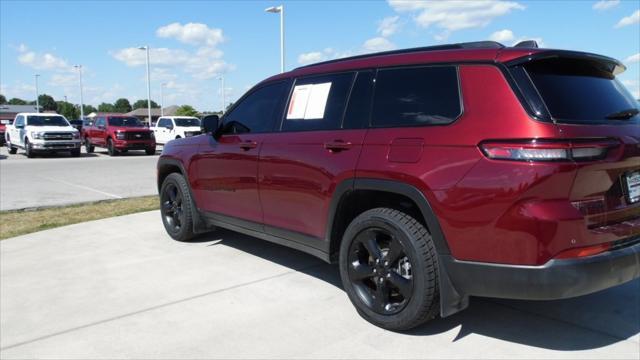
column 81, row 187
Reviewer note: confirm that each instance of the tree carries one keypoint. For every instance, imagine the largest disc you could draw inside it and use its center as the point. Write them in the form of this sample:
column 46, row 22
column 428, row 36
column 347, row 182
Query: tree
column 3, row 100
column 68, row 110
column 186, row 110
column 16, row 101
column 122, row 105
column 88, row 109
column 106, row 107
column 142, row 104
column 47, row 103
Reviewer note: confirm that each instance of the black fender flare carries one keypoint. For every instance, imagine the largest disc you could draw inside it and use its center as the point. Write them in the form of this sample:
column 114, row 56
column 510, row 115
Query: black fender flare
column 451, row 300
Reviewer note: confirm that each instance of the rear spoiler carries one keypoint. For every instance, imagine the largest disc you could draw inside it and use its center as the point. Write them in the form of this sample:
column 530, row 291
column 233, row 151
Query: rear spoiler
column 611, row 65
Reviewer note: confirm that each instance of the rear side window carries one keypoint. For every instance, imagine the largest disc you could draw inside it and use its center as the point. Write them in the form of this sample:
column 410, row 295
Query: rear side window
column 580, row 91
column 258, row 111
column 416, row 96
column 318, row 103
column 359, row 108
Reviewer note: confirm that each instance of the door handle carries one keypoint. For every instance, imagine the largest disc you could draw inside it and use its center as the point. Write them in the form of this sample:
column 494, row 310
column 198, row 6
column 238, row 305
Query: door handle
column 248, row 145
column 337, row 145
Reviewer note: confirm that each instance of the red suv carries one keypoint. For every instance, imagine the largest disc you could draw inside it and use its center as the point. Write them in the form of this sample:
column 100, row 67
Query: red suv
column 118, row 134
column 429, row 175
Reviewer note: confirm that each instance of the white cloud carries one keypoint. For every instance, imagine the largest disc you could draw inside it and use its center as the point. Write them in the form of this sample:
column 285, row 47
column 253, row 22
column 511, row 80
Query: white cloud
column 388, row 26
column 19, row 90
column 454, row 15
column 502, row 36
column 64, row 80
column 378, row 44
column 605, row 4
column 629, row 20
column 633, row 58
column 633, row 86
column 312, row 57
column 192, row 33
column 41, row 61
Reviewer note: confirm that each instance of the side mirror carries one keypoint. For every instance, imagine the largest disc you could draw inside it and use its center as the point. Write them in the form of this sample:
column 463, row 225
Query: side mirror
column 169, row 126
column 210, row 124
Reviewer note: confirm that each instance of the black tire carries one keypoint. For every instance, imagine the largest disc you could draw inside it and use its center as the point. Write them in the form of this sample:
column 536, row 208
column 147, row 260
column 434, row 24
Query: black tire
column 12, row 149
column 111, row 148
column 28, row 150
column 374, row 253
column 150, row 151
column 88, row 146
column 177, row 208
column 75, row 152
column 178, row 137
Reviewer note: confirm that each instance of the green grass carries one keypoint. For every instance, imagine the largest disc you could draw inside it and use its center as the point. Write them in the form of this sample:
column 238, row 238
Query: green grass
column 20, row 222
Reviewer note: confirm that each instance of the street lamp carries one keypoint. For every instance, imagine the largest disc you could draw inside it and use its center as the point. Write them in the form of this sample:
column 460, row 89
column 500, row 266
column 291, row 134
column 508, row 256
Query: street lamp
column 275, row 10
column 224, row 100
column 37, row 94
column 79, row 67
column 162, row 98
column 148, row 82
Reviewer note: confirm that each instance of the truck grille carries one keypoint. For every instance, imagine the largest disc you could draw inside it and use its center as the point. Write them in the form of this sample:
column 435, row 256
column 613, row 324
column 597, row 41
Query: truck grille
column 138, row 135
column 58, row 136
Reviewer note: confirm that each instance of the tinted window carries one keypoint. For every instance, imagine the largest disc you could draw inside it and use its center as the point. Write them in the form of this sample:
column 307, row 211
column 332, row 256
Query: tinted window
column 318, row 103
column 258, row 111
column 100, row 122
column 19, row 121
column 187, row 121
column 125, row 121
column 416, row 96
column 580, row 91
column 46, row 120
column 164, row 122
column 359, row 108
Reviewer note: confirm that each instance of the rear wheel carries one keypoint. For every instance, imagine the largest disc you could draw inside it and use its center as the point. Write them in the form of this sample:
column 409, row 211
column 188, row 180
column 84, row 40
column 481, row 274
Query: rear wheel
column 388, row 267
column 177, row 208
column 88, row 146
column 111, row 148
column 28, row 149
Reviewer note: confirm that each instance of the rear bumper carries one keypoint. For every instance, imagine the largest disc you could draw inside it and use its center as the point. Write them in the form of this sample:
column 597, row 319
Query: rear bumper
column 557, row 279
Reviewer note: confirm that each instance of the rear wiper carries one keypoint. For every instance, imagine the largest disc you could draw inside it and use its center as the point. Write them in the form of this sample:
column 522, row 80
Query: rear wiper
column 623, row 115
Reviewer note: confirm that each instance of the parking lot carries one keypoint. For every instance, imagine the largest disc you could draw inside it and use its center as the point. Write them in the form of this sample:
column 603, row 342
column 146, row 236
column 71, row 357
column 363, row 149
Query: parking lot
column 107, row 289
column 60, row 179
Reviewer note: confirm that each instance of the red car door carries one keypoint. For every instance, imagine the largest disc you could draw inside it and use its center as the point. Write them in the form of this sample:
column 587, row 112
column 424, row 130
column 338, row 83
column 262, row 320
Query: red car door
column 227, row 168
column 301, row 166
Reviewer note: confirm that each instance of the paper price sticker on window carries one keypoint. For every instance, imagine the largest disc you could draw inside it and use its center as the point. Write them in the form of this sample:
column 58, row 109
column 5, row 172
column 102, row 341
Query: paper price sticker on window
column 309, row 101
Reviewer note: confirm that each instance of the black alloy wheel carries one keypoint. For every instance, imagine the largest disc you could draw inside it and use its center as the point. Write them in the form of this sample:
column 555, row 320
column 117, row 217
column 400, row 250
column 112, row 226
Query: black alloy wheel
column 177, row 208
column 172, row 207
column 380, row 271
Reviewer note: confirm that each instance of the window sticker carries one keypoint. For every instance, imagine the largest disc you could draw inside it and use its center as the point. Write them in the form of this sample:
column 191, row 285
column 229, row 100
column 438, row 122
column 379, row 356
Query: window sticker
column 309, row 101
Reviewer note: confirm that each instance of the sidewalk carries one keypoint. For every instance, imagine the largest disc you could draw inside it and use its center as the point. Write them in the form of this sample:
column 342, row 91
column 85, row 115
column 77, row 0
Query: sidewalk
column 121, row 288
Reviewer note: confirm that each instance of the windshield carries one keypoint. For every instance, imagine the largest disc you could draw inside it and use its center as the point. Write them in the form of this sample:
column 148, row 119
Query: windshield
column 125, row 121
column 581, row 91
column 187, row 122
column 46, row 120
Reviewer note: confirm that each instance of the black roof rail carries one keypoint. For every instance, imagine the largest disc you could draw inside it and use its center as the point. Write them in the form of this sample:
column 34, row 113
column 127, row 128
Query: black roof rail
column 467, row 45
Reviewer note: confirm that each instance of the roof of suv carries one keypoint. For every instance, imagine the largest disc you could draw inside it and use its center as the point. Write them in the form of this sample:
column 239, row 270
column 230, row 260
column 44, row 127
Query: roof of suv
column 481, row 51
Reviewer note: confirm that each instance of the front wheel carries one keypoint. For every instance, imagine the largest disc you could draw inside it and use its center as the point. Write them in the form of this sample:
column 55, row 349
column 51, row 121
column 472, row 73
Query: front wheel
column 28, row 149
column 111, row 148
column 88, row 146
column 150, row 150
column 177, row 208
column 389, row 269
column 12, row 149
column 75, row 152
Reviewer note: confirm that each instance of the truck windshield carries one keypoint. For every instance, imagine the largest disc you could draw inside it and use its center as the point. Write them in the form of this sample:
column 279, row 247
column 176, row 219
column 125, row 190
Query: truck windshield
column 125, row 121
column 581, row 91
column 46, row 120
column 187, row 122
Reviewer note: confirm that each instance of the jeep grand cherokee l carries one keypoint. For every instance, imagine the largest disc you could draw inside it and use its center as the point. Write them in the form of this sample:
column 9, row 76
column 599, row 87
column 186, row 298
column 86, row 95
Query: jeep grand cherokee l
column 429, row 175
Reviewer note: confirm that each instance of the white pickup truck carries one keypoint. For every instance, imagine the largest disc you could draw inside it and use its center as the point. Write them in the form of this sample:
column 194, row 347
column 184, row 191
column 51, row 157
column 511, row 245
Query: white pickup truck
column 175, row 127
column 42, row 133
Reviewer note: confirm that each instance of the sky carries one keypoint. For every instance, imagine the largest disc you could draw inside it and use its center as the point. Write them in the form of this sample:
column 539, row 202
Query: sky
column 193, row 43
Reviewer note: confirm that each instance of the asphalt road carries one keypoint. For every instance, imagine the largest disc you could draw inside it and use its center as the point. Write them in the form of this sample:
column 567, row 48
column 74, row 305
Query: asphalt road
column 121, row 288
column 61, row 179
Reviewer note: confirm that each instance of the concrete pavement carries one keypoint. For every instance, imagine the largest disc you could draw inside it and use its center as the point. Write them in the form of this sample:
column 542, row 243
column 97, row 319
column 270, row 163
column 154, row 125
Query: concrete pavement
column 61, row 179
column 121, row 288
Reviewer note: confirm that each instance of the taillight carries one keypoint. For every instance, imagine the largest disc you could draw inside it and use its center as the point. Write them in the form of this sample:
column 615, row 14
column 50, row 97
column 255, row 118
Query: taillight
column 547, row 150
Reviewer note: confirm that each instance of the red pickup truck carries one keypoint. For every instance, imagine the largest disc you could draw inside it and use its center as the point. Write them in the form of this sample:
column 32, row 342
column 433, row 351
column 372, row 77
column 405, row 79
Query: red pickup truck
column 119, row 134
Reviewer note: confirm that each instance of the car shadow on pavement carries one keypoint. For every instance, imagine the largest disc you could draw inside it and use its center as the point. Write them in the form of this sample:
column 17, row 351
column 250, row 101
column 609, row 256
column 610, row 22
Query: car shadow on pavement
column 583, row 323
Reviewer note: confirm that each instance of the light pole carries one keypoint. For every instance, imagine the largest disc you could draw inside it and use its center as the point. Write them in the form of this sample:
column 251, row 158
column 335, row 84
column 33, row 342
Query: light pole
column 162, row 98
column 224, row 99
column 148, row 82
column 37, row 94
column 79, row 67
column 275, row 10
